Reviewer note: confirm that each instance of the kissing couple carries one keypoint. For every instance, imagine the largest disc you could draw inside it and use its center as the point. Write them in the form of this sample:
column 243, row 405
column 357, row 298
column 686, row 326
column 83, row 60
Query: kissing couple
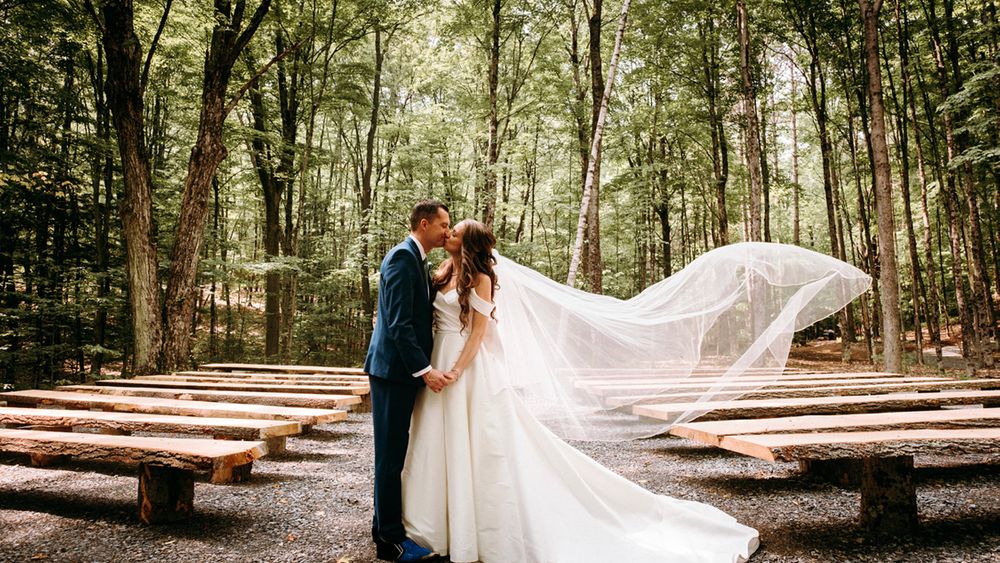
column 470, row 402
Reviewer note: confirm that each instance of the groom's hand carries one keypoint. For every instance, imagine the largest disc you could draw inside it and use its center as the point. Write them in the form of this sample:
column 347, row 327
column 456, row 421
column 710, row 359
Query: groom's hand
column 437, row 380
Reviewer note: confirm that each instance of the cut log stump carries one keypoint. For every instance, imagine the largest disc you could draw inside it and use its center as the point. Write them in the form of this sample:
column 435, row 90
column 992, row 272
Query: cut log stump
column 166, row 494
column 888, row 496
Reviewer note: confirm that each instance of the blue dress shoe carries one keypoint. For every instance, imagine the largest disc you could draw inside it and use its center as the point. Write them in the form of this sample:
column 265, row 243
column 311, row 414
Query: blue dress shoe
column 405, row 551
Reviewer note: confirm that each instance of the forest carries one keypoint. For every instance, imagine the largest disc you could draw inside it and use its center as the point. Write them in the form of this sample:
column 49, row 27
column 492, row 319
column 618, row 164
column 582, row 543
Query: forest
column 191, row 181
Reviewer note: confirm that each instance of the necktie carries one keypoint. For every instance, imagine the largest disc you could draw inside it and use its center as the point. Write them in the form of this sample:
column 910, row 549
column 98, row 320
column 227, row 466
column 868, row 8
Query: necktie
column 427, row 276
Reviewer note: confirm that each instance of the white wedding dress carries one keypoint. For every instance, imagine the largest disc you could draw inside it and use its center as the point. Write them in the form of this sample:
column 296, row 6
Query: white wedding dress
column 486, row 481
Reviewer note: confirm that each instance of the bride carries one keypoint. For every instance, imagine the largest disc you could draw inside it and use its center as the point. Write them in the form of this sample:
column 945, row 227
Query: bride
column 488, row 476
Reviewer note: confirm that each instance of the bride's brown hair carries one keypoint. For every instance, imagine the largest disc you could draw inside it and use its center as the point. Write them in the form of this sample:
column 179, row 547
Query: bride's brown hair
column 477, row 258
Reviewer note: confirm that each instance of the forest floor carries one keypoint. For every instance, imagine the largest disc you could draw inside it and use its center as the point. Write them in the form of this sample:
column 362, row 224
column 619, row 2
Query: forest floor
column 313, row 504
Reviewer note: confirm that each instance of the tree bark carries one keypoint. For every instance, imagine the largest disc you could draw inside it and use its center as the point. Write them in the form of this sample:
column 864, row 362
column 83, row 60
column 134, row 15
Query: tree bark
column 892, row 349
column 595, row 147
column 124, row 55
column 720, row 149
column 752, row 125
column 366, row 177
column 594, row 266
column 796, row 189
column 489, row 197
column 228, row 41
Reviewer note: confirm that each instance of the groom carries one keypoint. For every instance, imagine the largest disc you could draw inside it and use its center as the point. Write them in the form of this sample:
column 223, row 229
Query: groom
column 398, row 365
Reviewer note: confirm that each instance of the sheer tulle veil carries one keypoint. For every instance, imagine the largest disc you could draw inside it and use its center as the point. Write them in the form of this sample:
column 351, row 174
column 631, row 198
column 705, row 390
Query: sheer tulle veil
column 580, row 361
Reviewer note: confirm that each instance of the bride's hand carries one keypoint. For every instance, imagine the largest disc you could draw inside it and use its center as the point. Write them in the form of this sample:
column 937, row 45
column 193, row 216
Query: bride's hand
column 454, row 374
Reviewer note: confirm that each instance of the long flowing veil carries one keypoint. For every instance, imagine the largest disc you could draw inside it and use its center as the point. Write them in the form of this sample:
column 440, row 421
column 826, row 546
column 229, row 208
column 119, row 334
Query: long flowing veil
column 580, row 361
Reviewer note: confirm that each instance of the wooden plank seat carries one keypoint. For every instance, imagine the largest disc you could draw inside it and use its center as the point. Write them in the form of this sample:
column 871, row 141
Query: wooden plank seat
column 650, row 379
column 304, row 400
column 273, row 432
column 713, row 432
column 166, row 466
column 769, row 392
column 266, row 377
column 888, row 493
column 281, row 368
column 737, row 383
column 150, row 405
column 771, row 408
column 874, row 450
column 358, row 389
column 674, row 371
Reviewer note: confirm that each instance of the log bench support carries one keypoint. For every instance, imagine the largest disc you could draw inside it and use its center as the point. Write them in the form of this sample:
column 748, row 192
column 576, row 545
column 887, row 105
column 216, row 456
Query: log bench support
column 166, row 494
column 845, row 472
column 888, row 496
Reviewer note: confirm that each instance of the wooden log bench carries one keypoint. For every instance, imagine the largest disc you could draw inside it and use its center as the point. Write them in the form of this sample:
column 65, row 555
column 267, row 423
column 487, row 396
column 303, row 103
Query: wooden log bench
column 305, row 400
column 292, row 378
column 721, row 376
column 871, row 450
column 888, row 494
column 781, row 391
column 620, row 388
column 166, row 466
column 281, row 368
column 713, row 432
column 352, row 389
column 149, row 405
column 772, row 408
column 273, row 432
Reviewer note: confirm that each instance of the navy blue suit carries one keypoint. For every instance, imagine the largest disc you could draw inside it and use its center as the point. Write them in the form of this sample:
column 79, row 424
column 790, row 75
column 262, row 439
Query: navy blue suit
column 400, row 346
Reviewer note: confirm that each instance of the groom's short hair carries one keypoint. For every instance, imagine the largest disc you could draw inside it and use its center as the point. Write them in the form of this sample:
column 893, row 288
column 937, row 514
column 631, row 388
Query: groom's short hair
column 425, row 209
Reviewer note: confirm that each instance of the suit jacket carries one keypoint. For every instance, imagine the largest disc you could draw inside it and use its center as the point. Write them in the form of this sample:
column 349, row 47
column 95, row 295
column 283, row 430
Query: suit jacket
column 403, row 337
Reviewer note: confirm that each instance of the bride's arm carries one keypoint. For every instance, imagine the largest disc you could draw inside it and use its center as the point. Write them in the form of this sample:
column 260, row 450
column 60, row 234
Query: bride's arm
column 480, row 323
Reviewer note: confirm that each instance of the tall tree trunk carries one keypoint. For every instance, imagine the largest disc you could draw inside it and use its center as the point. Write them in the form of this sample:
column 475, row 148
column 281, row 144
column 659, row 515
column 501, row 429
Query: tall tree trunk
column 902, row 145
column 124, row 90
column 260, row 155
column 892, row 349
column 366, row 178
column 752, row 126
column 594, row 266
column 720, row 149
column 595, row 147
column 228, row 41
column 970, row 337
column 102, row 169
column 489, row 197
column 796, row 188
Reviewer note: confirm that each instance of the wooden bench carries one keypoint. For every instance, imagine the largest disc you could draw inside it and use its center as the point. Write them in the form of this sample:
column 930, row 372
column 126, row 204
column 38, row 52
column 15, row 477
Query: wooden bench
column 166, row 466
column 70, row 399
column 305, row 400
column 281, row 368
column 881, row 460
column 604, row 387
column 772, row 408
column 722, row 376
column 273, row 432
column 713, row 432
column 353, row 389
column 776, row 392
column 320, row 378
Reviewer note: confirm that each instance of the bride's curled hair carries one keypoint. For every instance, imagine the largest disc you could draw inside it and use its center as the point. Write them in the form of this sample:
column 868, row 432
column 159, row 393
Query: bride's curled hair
column 477, row 258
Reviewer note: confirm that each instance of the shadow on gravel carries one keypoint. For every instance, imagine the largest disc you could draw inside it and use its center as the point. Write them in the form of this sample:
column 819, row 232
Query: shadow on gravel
column 844, row 535
column 986, row 472
column 69, row 505
column 763, row 485
column 692, row 451
column 321, row 435
column 290, row 456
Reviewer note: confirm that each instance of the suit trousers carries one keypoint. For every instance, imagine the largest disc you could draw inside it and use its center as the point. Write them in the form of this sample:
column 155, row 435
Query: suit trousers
column 392, row 407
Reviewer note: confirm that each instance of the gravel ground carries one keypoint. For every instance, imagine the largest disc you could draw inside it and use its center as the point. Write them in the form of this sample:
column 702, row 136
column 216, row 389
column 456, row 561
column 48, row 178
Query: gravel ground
column 313, row 504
